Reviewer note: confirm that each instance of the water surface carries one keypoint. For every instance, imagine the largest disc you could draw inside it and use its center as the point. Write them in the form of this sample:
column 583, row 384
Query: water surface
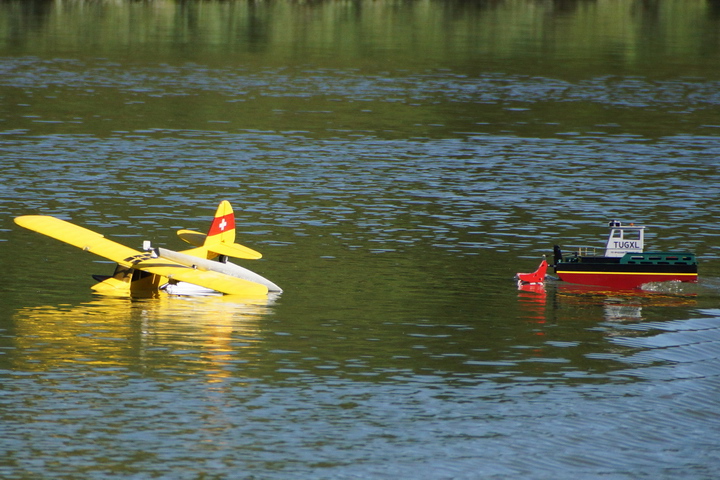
column 396, row 163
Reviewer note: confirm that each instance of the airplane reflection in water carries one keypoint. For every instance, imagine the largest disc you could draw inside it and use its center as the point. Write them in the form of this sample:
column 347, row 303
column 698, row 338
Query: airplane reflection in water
column 197, row 335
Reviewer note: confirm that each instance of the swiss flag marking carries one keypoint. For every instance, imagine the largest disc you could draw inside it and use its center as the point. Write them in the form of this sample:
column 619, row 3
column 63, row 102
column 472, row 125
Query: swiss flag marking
column 222, row 224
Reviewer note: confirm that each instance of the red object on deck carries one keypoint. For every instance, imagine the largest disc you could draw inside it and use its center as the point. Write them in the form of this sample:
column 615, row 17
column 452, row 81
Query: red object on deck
column 538, row 276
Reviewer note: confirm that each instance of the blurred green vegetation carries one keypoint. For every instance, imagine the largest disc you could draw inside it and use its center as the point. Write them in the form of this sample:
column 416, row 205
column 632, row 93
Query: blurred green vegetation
column 512, row 35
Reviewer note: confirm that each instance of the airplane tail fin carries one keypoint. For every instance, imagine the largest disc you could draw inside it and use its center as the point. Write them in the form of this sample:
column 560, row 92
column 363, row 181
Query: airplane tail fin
column 222, row 229
column 220, row 239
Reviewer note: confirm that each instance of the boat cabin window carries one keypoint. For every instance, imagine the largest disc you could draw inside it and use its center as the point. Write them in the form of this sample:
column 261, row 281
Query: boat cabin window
column 631, row 235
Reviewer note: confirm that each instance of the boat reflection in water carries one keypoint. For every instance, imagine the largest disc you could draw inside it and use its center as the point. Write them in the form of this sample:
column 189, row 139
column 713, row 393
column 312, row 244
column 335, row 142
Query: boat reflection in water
column 203, row 335
column 623, row 305
column 533, row 300
column 617, row 305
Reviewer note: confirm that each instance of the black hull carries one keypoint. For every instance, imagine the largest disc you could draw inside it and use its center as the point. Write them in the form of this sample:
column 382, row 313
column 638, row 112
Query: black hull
column 630, row 271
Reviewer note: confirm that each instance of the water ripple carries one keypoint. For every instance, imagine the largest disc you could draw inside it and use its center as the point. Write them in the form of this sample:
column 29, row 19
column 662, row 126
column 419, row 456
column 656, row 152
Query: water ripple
column 182, row 80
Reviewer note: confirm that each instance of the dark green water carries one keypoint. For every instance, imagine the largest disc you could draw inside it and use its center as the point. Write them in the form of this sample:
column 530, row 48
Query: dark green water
column 396, row 163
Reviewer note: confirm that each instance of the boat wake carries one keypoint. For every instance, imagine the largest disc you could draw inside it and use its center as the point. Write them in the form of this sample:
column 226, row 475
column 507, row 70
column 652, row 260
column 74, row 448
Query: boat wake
column 705, row 287
column 669, row 288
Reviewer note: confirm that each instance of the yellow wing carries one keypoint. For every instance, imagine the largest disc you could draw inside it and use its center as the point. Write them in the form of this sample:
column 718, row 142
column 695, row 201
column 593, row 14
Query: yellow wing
column 80, row 237
column 234, row 250
column 193, row 238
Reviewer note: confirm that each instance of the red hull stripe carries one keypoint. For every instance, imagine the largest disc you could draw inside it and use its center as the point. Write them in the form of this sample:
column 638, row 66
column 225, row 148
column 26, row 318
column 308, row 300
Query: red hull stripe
column 222, row 224
column 623, row 279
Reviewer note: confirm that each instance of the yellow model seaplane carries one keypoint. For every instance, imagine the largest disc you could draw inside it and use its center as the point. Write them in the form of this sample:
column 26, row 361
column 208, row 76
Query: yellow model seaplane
column 202, row 270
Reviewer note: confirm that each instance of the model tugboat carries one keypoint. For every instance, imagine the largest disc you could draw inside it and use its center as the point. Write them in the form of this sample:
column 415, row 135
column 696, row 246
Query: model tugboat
column 624, row 264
